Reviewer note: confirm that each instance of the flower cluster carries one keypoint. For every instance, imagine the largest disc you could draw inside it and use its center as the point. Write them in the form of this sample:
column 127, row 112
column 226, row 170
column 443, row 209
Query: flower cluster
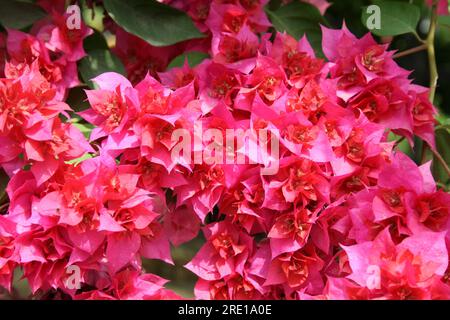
column 345, row 216
column 40, row 68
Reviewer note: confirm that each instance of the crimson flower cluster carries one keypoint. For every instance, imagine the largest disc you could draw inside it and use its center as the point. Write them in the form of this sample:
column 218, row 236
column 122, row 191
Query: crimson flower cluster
column 346, row 216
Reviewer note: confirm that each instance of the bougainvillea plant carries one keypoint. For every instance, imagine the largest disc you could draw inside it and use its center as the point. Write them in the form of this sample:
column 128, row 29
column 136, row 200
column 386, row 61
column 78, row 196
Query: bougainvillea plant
column 96, row 96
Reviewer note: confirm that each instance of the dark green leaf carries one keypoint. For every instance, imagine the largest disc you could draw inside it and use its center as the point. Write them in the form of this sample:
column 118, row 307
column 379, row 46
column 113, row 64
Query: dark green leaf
column 77, row 99
column 98, row 62
column 194, row 58
column 156, row 23
column 444, row 20
column 95, row 41
column 297, row 19
column 18, row 14
column 274, row 4
column 396, row 18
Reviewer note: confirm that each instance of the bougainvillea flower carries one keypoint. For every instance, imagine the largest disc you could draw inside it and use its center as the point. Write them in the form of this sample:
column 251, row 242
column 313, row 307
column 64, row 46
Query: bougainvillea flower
column 343, row 215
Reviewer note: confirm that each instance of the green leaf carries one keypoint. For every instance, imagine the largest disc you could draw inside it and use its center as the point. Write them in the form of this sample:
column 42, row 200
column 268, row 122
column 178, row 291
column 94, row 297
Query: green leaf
column 85, row 128
column 156, row 23
column 18, row 14
column 396, row 18
column 77, row 161
column 444, row 20
column 441, row 118
column 77, row 99
column 443, row 122
column 403, row 146
column 194, row 58
column 93, row 17
column 297, row 19
column 95, row 41
column 274, row 4
column 97, row 62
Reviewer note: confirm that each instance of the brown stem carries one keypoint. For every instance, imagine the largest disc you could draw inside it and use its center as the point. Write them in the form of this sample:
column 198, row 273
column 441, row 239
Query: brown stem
column 441, row 185
column 425, row 147
column 431, row 52
column 434, row 75
column 441, row 160
column 3, row 206
column 410, row 51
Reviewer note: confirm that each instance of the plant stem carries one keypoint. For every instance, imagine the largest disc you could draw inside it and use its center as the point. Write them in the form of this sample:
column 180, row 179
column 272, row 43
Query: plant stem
column 398, row 142
column 431, row 52
column 433, row 68
column 441, row 185
column 423, row 157
column 419, row 38
column 410, row 51
column 438, row 156
column 2, row 196
column 3, row 206
column 433, row 80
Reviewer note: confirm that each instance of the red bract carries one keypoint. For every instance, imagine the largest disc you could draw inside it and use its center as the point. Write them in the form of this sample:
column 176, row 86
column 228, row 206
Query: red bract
column 343, row 216
column 141, row 58
column 30, row 129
